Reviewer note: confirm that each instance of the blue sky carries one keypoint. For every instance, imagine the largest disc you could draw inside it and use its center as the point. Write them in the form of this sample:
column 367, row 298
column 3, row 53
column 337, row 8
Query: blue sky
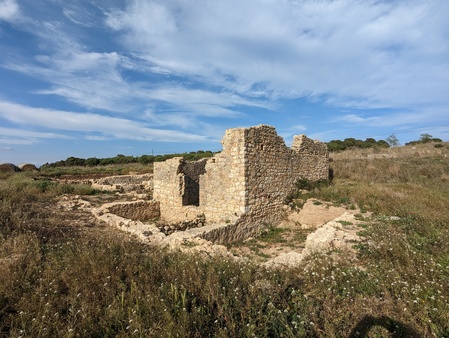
column 97, row 78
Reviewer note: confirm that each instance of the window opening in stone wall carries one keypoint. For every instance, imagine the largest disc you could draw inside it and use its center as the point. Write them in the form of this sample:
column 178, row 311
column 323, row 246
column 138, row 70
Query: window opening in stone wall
column 191, row 194
column 191, row 182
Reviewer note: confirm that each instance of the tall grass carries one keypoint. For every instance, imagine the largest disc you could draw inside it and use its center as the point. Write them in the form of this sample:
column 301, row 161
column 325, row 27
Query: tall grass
column 93, row 282
column 59, row 280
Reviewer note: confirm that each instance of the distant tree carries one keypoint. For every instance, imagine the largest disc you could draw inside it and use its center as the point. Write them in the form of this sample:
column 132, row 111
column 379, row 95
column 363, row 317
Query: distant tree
column 74, row 161
column 145, row 159
column 92, row 162
column 350, row 142
column 122, row 159
column 106, row 161
column 336, row 145
column 360, row 144
column 383, row 144
column 425, row 138
column 392, row 140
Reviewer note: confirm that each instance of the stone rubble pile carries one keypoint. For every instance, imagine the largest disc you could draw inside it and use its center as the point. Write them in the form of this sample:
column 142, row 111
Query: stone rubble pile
column 170, row 228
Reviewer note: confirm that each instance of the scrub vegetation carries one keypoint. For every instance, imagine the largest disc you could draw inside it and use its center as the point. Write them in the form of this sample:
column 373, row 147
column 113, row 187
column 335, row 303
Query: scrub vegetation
column 62, row 275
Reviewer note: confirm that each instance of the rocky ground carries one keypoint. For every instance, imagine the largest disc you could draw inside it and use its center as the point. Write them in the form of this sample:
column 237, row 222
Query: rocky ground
column 317, row 227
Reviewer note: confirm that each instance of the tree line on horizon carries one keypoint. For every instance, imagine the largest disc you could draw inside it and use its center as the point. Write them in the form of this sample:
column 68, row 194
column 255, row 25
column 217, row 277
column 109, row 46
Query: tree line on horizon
column 391, row 141
column 333, row 146
column 350, row 142
column 123, row 159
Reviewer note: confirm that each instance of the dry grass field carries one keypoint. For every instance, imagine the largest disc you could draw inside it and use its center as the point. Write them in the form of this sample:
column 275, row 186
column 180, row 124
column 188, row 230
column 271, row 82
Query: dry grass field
column 64, row 275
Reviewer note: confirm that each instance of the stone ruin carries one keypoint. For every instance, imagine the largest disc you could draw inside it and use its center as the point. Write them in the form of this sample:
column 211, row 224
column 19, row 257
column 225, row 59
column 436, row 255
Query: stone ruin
column 196, row 207
column 241, row 189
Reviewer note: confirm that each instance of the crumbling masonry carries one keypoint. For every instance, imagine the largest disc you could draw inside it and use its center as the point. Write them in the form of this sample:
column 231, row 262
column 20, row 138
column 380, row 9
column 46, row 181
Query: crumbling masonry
column 244, row 187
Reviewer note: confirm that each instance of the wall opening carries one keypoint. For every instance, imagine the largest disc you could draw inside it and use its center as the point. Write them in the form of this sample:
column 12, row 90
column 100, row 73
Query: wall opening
column 191, row 181
column 191, row 193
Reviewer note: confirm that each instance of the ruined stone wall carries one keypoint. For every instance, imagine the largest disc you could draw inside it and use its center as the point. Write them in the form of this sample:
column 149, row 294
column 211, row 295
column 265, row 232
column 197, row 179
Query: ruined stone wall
column 272, row 169
column 169, row 188
column 222, row 187
column 313, row 159
column 124, row 183
column 245, row 185
column 220, row 181
column 140, row 210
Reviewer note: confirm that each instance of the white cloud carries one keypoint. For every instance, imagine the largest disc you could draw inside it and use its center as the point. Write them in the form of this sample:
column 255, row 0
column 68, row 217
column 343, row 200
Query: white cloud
column 25, row 137
column 6, row 149
column 9, row 9
column 15, row 132
column 97, row 81
column 182, row 64
column 97, row 138
column 369, row 50
column 288, row 133
column 90, row 79
column 80, row 15
column 18, row 140
column 90, row 123
column 433, row 116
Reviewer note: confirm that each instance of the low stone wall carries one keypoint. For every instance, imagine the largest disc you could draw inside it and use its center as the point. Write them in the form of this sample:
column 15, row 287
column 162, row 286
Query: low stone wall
column 170, row 228
column 124, row 183
column 248, row 225
column 135, row 210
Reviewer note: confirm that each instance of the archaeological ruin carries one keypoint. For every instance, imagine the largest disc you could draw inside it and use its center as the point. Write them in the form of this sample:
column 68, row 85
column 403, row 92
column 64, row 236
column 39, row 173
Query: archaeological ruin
column 242, row 188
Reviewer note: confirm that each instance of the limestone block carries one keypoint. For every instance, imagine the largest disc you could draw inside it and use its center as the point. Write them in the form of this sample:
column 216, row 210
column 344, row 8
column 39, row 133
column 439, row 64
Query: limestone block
column 289, row 259
column 312, row 214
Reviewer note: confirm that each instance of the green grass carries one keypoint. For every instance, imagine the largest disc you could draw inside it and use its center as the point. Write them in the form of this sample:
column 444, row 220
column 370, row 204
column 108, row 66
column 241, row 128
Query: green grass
column 61, row 280
column 272, row 235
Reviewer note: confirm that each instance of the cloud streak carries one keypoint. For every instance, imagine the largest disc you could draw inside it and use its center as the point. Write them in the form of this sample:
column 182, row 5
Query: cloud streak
column 87, row 123
column 356, row 54
column 347, row 49
column 9, row 9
